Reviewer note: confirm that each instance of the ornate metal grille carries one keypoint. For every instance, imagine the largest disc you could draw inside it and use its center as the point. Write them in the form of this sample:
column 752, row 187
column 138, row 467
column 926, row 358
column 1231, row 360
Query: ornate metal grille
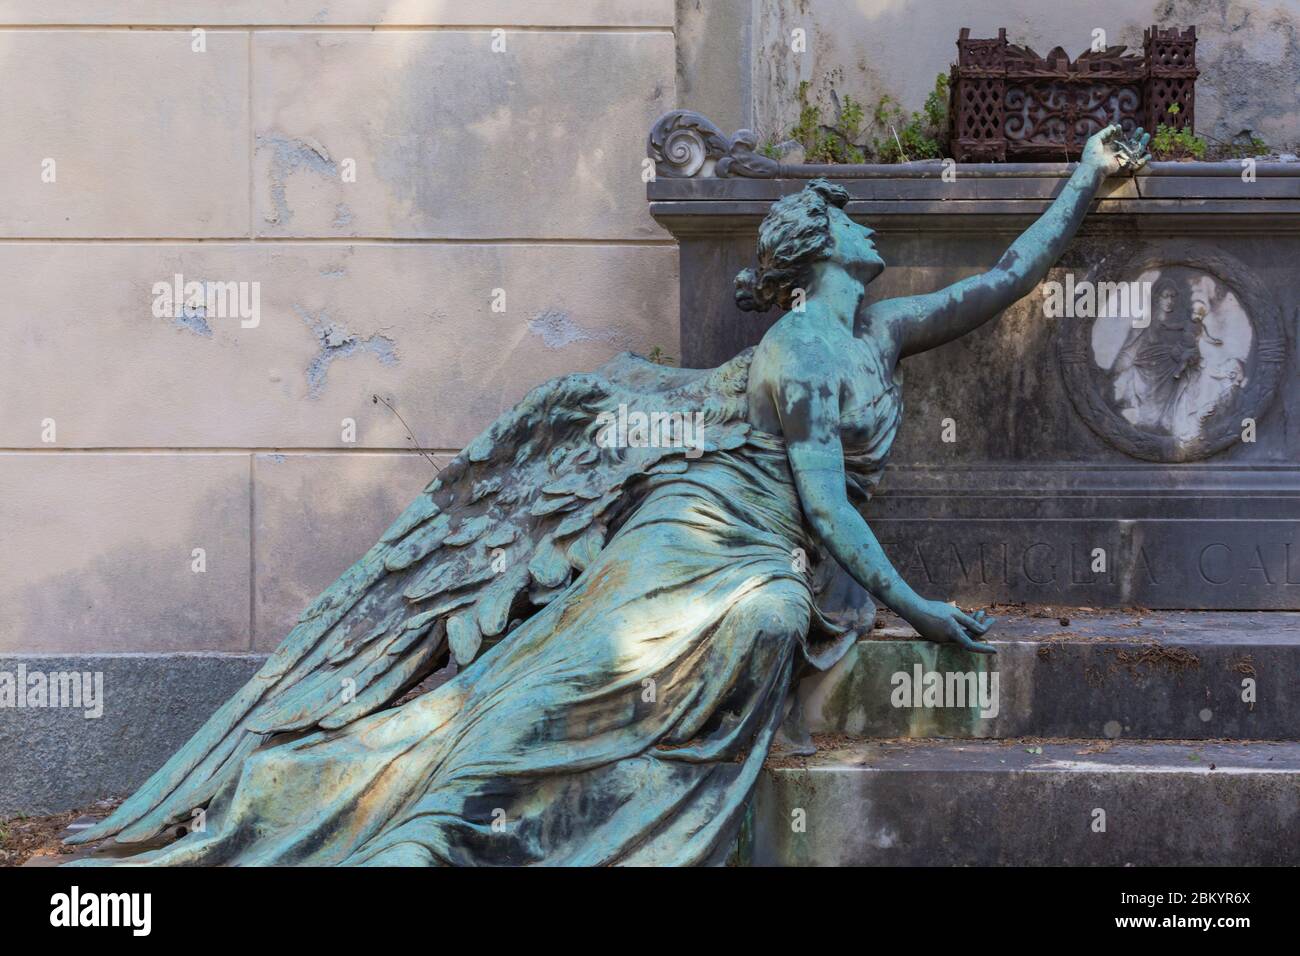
column 1009, row 103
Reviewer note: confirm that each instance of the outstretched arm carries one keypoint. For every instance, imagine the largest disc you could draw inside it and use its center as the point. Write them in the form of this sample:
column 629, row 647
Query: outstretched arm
column 922, row 322
column 809, row 413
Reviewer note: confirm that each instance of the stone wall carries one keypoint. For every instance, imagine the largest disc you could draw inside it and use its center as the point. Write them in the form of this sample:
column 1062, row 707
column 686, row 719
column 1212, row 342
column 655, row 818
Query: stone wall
column 381, row 178
column 1248, row 53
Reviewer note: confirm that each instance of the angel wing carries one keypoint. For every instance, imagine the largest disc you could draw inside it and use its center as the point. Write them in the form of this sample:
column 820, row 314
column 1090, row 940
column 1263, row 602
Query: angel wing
column 500, row 532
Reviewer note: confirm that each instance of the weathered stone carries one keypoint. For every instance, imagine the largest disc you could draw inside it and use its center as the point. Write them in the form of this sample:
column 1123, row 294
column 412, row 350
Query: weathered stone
column 56, row 758
column 1013, row 803
column 1113, row 675
column 504, row 13
column 873, row 48
column 313, row 514
column 338, row 324
column 174, row 163
column 520, row 119
column 124, row 552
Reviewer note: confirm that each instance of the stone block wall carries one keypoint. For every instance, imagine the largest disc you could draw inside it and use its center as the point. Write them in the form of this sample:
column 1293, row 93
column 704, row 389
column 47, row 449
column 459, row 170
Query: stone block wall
column 433, row 202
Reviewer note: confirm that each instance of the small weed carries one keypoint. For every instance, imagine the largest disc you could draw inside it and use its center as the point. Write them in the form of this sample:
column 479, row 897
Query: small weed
column 1171, row 143
column 896, row 136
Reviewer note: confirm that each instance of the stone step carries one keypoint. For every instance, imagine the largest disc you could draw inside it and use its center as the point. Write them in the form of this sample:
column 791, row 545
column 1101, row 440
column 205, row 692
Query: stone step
column 1109, row 674
column 1065, row 803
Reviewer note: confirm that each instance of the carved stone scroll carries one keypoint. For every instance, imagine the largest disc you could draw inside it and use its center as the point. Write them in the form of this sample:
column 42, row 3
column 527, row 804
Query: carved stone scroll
column 685, row 144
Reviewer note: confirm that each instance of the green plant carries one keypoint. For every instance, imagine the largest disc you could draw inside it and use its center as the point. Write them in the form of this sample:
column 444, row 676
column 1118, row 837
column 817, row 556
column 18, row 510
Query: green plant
column 829, row 144
column 851, row 116
column 810, row 118
column 1169, row 142
column 904, row 137
column 660, row 357
column 899, row 136
column 936, row 104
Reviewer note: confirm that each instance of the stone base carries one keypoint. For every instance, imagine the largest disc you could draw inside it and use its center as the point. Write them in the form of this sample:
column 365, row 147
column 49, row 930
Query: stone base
column 1021, row 803
column 1114, row 676
column 58, row 758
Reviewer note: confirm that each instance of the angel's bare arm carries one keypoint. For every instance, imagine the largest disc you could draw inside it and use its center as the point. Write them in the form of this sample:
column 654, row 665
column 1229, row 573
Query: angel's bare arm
column 809, row 410
column 921, row 322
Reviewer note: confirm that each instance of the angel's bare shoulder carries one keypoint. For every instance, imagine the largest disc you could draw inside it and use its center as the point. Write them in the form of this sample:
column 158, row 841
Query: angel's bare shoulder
column 799, row 343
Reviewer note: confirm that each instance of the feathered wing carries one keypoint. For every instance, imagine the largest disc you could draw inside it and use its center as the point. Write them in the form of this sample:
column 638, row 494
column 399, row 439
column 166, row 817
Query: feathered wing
column 500, row 532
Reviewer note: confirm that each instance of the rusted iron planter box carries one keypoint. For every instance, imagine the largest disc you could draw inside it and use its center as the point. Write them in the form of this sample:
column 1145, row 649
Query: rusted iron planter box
column 1049, row 464
column 1009, row 103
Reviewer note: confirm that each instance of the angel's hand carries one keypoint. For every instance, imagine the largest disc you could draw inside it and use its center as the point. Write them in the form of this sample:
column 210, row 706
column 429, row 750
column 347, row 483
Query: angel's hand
column 947, row 624
column 1110, row 153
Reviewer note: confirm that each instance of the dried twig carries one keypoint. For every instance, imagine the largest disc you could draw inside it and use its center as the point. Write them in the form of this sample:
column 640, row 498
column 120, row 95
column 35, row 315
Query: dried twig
column 409, row 434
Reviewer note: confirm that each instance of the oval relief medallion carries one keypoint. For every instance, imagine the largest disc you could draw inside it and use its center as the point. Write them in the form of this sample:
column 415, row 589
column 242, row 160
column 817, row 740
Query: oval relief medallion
column 1171, row 358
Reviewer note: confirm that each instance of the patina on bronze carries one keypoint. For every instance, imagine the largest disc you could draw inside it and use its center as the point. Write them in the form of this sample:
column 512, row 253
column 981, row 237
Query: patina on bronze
column 627, row 599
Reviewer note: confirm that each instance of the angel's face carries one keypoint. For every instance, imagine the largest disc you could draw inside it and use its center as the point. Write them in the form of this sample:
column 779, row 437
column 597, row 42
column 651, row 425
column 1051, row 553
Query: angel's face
column 853, row 247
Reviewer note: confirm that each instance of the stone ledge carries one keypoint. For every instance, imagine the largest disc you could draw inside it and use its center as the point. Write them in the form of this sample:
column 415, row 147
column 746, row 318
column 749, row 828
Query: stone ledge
column 1180, row 197
column 1023, row 803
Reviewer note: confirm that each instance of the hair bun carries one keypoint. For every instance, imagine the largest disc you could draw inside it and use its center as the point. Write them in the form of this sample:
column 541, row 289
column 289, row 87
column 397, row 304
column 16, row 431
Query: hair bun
column 833, row 193
column 748, row 297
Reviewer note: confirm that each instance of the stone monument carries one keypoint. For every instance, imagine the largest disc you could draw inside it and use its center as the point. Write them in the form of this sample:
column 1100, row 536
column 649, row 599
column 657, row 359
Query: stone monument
column 629, row 600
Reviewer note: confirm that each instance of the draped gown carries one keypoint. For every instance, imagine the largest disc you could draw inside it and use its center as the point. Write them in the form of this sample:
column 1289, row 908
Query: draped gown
column 623, row 723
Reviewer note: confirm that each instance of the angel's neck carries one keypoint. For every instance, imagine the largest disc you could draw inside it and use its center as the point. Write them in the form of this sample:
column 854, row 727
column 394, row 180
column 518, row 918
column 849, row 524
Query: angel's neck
column 838, row 292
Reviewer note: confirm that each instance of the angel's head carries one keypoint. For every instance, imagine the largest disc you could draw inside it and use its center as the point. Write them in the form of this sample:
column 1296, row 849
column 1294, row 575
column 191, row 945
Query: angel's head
column 798, row 232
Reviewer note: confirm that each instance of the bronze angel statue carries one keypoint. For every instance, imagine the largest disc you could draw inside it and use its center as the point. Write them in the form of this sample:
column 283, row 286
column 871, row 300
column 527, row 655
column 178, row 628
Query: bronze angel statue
column 627, row 615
